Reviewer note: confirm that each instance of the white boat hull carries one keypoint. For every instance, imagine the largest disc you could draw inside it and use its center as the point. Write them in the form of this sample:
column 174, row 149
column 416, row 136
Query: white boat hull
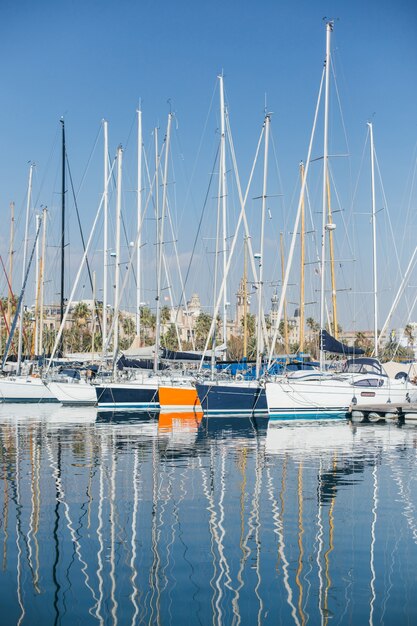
column 71, row 393
column 330, row 398
column 25, row 389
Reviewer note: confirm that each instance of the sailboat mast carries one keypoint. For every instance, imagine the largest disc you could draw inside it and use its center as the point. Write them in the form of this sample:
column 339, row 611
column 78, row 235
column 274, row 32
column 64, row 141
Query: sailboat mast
column 117, row 258
column 93, row 324
column 105, row 233
column 61, row 310
column 42, row 281
column 223, row 196
column 160, row 244
column 329, row 28
column 35, row 341
column 259, row 339
column 245, row 299
column 374, row 257
column 139, row 220
column 11, row 253
column 286, row 342
column 302, row 266
column 330, row 226
column 25, row 247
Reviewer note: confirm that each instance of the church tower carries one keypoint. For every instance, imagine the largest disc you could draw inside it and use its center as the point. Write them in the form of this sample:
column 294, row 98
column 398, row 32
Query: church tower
column 240, row 305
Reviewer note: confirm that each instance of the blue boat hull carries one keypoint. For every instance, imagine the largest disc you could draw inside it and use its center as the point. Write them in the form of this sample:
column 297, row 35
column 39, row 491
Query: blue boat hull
column 233, row 400
column 136, row 397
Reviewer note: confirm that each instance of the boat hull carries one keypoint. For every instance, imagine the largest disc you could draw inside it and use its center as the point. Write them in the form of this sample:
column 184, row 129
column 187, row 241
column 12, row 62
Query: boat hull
column 29, row 389
column 237, row 400
column 73, row 393
column 326, row 399
column 128, row 396
column 176, row 398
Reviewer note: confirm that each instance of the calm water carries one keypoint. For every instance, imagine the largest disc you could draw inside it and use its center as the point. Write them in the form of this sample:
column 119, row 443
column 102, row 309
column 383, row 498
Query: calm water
column 112, row 521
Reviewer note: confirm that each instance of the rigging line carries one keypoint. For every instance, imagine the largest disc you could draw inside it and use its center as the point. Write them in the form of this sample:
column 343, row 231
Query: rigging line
column 126, row 143
column 410, row 181
column 89, row 160
column 95, row 304
column 339, row 104
column 19, row 302
column 388, row 214
column 275, row 269
column 60, row 331
column 344, row 221
column 281, row 186
column 199, row 225
column 188, row 192
column 48, row 163
column 354, row 230
column 127, row 273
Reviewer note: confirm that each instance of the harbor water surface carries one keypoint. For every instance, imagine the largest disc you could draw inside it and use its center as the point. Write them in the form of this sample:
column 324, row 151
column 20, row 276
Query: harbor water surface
column 142, row 519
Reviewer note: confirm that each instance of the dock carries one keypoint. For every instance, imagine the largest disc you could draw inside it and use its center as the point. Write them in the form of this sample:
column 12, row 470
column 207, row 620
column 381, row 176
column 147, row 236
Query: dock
column 405, row 412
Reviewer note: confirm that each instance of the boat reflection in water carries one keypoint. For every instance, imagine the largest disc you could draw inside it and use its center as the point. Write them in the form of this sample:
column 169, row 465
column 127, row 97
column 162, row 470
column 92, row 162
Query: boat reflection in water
column 134, row 519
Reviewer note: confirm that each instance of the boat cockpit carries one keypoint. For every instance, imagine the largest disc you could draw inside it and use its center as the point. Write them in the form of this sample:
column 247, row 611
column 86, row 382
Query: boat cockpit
column 364, row 365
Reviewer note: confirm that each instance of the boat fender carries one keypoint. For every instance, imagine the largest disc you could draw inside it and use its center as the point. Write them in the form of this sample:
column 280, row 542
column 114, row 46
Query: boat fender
column 239, row 377
column 407, row 397
column 354, row 401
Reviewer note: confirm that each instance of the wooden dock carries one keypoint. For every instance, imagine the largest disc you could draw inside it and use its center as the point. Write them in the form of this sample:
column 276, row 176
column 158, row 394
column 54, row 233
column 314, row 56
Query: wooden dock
column 406, row 412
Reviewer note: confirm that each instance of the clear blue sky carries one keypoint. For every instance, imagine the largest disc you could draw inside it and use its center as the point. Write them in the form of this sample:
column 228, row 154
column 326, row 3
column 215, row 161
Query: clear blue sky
column 94, row 59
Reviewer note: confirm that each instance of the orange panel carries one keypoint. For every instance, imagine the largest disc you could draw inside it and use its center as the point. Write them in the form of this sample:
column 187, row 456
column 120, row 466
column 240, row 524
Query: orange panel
column 178, row 396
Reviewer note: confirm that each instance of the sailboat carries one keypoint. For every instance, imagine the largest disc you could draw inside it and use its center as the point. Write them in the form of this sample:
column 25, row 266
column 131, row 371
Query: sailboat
column 23, row 387
column 241, row 398
column 362, row 380
column 78, row 391
column 142, row 392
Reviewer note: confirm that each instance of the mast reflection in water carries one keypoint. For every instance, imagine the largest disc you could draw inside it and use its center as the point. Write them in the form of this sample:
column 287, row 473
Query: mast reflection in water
column 177, row 519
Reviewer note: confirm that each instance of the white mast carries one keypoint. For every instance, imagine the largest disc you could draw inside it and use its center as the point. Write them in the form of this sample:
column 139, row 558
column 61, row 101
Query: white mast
column 329, row 28
column 117, row 267
column 259, row 339
column 160, row 245
column 42, row 281
column 223, row 195
column 139, row 219
column 25, row 246
column 11, row 254
column 37, row 285
column 371, row 139
column 297, row 220
column 105, row 233
column 93, row 322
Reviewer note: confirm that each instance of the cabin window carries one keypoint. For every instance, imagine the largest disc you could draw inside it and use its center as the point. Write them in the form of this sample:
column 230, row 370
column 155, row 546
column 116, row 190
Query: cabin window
column 369, row 382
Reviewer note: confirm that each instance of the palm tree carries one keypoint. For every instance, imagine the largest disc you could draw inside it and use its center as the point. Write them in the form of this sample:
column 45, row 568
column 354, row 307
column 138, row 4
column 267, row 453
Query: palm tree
column 49, row 337
column 409, row 335
column 169, row 339
column 128, row 326
column 362, row 341
column 165, row 315
column 78, row 337
column 80, row 313
column 148, row 322
column 312, row 325
column 202, row 329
